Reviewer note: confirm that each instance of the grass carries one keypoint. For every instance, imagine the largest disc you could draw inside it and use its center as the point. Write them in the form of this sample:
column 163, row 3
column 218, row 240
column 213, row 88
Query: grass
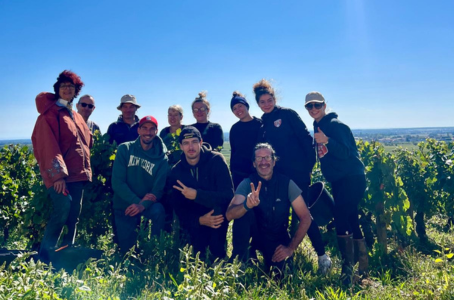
column 163, row 271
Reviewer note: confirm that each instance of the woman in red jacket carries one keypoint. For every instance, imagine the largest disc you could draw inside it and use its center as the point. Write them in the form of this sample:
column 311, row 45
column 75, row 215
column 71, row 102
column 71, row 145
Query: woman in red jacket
column 61, row 144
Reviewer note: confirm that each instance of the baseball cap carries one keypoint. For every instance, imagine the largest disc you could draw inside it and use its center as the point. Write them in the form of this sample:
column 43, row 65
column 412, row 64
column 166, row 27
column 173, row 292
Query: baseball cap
column 148, row 119
column 189, row 132
column 314, row 97
column 128, row 99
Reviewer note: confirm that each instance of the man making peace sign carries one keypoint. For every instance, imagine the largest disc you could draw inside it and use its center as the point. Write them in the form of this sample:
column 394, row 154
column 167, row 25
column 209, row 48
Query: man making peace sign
column 201, row 191
column 261, row 209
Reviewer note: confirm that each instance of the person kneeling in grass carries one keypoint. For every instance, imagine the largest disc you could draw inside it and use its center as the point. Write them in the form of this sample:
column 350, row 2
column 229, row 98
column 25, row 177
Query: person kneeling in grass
column 138, row 180
column 261, row 209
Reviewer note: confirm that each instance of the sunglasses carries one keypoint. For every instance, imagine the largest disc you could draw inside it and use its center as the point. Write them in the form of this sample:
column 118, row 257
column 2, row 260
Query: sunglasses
column 90, row 106
column 310, row 106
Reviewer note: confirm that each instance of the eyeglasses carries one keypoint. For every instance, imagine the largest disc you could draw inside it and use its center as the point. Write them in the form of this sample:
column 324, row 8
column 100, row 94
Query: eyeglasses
column 310, row 106
column 69, row 86
column 202, row 109
column 90, row 106
column 266, row 158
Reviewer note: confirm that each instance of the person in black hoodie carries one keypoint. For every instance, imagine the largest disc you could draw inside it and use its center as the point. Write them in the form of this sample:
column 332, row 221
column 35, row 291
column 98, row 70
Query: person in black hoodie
column 243, row 135
column 284, row 130
column 202, row 190
column 211, row 132
column 342, row 167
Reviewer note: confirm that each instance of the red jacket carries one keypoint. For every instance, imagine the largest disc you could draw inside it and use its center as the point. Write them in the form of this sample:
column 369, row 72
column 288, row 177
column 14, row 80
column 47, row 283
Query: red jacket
column 61, row 142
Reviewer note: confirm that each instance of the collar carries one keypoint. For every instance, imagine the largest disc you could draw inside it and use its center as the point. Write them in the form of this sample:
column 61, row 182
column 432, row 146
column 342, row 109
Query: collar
column 65, row 103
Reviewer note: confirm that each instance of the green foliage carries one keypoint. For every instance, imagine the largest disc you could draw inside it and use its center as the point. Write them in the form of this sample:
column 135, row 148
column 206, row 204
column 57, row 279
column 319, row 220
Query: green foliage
column 17, row 176
column 385, row 197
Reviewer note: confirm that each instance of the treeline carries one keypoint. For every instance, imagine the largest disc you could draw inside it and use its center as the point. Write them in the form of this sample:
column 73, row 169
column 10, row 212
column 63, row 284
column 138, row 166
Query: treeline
column 404, row 189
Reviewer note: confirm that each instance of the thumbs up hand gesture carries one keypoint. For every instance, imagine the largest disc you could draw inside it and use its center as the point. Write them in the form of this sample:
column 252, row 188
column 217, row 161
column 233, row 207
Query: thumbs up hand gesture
column 320, row 137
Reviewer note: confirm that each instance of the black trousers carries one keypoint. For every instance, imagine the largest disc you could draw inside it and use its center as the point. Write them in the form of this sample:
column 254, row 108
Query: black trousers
column 204, row 237
column 246, row 228
column 347, row 193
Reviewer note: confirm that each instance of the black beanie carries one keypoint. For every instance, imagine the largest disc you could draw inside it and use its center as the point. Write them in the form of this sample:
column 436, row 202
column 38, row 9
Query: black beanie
column 238, row 99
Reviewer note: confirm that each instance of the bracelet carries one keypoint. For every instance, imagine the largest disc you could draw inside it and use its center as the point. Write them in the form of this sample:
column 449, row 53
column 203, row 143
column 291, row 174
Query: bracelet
column 245, row 205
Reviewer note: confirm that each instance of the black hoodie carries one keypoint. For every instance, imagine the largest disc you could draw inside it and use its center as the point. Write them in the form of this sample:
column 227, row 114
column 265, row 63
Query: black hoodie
column 340, row 157
column 287, row 133
column 211, row 178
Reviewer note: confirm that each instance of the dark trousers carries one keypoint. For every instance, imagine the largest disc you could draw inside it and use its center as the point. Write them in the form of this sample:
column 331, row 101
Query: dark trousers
column 347, row 193
column 313, row 231
column 126, row 225
column 203, row 237
column 65, row 211
column 246, row 228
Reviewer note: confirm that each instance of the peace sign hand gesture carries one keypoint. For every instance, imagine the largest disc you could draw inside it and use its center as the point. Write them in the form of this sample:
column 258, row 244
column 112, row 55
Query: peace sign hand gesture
column 253, row 197
column 188, row 192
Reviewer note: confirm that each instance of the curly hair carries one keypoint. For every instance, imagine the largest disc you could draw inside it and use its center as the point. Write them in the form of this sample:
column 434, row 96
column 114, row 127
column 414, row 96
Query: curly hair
column 263, row 87
column 68, row 76
column 237, row 94
column 202, row 98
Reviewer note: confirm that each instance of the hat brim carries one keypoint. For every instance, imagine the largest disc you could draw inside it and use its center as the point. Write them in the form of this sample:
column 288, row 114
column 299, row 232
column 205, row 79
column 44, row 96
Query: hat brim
column 314, row 101
column 119, row 106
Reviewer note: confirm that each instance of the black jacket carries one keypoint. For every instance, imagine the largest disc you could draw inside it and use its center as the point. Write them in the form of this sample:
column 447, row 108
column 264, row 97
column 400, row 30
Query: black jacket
column 243, row 137
column 340, row 157
column 122, row 132
column 212, row 134
column 287, row 133
column 211, row 178
column 273, row 212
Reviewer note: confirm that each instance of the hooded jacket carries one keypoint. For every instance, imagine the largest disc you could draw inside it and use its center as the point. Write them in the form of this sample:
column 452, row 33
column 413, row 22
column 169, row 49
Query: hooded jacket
column 137, row 172
column 287, row 133
column 211, row 178
column 122, row 132
column 61, row 142
column 339, row 157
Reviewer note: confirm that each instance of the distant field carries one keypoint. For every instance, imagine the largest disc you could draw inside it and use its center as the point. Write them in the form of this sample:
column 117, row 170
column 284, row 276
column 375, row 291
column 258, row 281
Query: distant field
column 409, row 146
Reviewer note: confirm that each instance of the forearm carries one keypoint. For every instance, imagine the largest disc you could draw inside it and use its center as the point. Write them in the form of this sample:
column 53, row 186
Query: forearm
column 300, row 233
column 235, row 211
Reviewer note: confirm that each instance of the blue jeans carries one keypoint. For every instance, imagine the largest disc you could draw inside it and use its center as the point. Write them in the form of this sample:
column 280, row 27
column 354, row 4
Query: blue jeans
column 65, row 211
column 126, row 225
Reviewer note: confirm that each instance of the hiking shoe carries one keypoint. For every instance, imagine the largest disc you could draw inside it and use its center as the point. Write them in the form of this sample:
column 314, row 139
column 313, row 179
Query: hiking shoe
column 324, row 264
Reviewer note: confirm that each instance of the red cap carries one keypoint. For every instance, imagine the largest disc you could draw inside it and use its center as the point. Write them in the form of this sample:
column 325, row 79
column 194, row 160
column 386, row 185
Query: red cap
column 146, row 119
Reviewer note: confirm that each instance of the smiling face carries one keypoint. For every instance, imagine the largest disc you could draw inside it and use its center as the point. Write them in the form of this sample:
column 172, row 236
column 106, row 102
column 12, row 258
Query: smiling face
column 267, row 103
column 240, row 111
column 128, row 110
column 191, row 148
column 174, row 118
column 147, row 133
column 67, row 91
column 264, row 168
column 317, row 114
column 200, row 111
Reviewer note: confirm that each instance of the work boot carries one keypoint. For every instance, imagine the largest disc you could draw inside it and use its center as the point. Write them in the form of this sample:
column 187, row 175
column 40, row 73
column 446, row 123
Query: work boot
column 324, row 264
column 345, row 243
column 361, row 256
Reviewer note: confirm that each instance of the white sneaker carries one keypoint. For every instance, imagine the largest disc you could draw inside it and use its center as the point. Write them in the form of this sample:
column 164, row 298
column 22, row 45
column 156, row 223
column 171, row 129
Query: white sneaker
column 324, row 264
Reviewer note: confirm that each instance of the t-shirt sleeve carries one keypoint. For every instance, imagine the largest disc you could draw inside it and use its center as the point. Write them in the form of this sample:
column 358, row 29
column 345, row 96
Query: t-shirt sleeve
column 244, row 188
column 293, row 191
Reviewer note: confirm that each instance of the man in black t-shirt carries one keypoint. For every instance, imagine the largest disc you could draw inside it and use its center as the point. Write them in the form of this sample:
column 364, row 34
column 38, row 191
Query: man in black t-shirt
column 261, row 209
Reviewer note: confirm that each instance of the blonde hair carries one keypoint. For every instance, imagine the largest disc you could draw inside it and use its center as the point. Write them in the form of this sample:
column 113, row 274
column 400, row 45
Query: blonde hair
column 202, row 98
column 176, row 108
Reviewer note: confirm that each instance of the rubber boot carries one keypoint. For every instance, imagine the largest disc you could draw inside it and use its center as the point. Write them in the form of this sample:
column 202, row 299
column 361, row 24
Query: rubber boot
column 361, row 256
column 345, row 243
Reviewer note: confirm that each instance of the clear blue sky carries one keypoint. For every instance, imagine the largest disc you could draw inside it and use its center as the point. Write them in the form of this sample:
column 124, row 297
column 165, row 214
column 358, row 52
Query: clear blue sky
column 379, row 64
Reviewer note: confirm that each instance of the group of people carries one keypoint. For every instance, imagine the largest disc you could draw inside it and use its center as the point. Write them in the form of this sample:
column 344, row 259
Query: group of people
column 182, row 171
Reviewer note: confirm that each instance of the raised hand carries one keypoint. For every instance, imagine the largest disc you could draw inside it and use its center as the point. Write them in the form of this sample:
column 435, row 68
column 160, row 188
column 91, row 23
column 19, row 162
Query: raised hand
column 320, row 137
column 211, row 221
column 253, row 198
column 188, row 192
